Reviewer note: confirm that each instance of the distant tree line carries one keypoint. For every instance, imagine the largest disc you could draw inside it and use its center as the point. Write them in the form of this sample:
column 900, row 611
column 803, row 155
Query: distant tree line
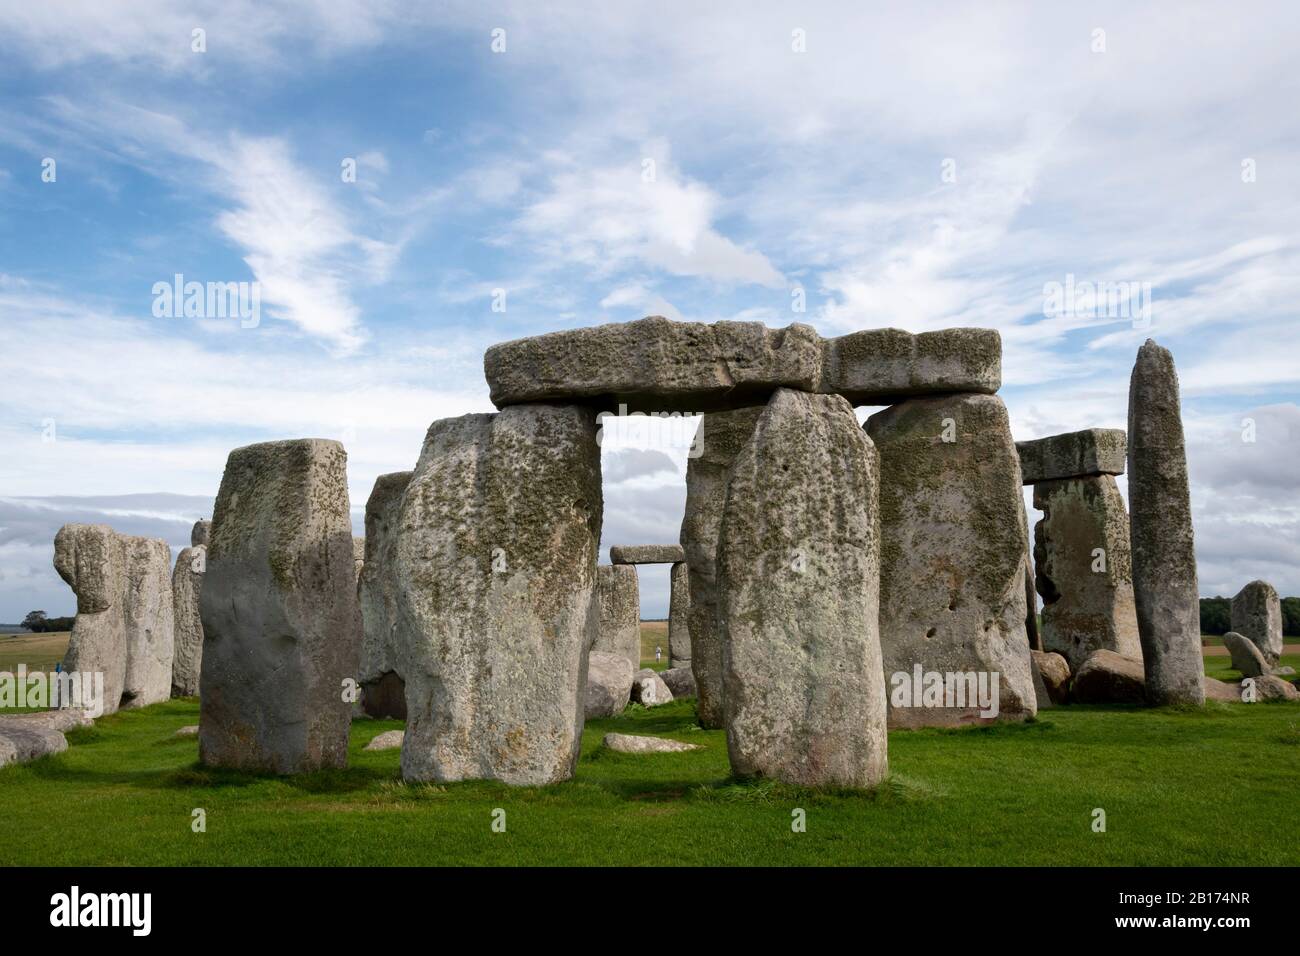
column 37, row 621
column 1216, row 616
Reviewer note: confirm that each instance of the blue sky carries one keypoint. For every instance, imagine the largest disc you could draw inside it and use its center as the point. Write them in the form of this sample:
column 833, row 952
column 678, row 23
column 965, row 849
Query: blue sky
column 910, row 168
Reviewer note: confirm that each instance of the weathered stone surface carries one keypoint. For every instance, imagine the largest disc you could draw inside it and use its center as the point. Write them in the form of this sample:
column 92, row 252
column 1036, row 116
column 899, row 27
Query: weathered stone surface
column 954, row 539
column 190, row 730
column 635, row 744
column 1093, row 451
column 383, row 692
column 619, row 596
column 609, row 684
column 187, row 584
column 200, row 533
column 655, row 364
column 1109, row 678
column 92, row 560
column 798, row 572
column 883, row 366
column 1160, row 515
column 1032, row 629
column 649, row 689
column 680, row 680
column 150, row 621
column 279, row 608
column 679, row 613
column 646, row 554
column 21, row 743
column 1269, row 689
column 1084, row 569
column 1257, row 613
column 1247, row 658
column 1285, row 671
column 388, row 740
column 495, row 572
column 61, row 720
column 719, row 436
column 1041, row 695
column 125, row 624
column 1055, row 672
column 1221, row 690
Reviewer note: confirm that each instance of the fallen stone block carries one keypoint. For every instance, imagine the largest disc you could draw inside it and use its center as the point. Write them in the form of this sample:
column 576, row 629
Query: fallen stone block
column 609, row 684
column 1055, row 673
column 388, row 740
column 1109, row 678
column 649, row 689
column 636, row 744
column 1247, row 658
column 680, row 680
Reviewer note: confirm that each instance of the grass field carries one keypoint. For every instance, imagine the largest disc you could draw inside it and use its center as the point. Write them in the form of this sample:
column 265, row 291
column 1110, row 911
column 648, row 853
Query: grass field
column 1209, row 787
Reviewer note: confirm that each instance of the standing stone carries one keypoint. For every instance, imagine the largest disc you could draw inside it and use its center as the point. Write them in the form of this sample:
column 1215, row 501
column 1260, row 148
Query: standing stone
column 200, row 533
column 383, row 692
column 1032, row 630
column 150, row 621
column 798, row 582
column 1164, row 559
column 92, row 560
column 954, row 539
column 618, row 592
column 719, row 437
column 1257, row 614
column 279, row 608
column 1085, row 573
column 187, row 584
column 125, row 627
column 495, row 574
column 679, row 610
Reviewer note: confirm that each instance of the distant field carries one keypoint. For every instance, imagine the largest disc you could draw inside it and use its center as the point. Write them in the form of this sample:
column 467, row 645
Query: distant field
column 654, row 634
column 39, row 652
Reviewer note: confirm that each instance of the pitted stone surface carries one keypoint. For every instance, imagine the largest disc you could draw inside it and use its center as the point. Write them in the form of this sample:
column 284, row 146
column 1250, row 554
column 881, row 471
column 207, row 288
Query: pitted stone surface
column 125, row 627
column 656, row 364
column 679, row 612
column 619, row 595
column 1085, row 573
column 279, row 608
column 1160, row 518
column 954, row 539
column 382, row 689
column 200, row 533
column 187, row 585
column 1093, row 451
column 609, row 684
column 495, row 574
column 1257, row 614
column 719, row 436
column 646, row 554
column 798, row 571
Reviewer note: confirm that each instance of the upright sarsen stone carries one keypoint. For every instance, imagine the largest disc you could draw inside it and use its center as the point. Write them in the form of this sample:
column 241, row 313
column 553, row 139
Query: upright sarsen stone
column 1085, row 575
column 187, row 585
column 720, row 436
column 382, row 688
column 1257, row 614
column 495, row 571
column 150, row 612
column 679, row 610
column 619, row 594
column 1160, row 520
column 200, row 533
column 798, row 578
column 279, row 609
column 92, row 560
column 954, row 539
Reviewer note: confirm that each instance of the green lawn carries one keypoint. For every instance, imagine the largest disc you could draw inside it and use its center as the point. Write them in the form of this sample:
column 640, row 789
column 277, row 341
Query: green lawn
column 1211, row 787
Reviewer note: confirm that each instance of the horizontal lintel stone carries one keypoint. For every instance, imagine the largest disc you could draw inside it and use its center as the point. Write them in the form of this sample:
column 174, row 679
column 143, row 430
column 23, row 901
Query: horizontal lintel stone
column 1093, row 451
column 646, row 554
